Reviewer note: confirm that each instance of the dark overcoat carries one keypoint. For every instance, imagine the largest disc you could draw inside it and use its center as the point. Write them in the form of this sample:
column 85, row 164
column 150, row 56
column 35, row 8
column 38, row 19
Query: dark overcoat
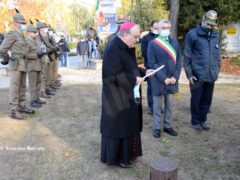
column 121, row 117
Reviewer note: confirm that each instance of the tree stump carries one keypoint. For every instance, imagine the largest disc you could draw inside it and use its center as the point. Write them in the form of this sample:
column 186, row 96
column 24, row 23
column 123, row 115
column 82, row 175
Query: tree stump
column 163, row 168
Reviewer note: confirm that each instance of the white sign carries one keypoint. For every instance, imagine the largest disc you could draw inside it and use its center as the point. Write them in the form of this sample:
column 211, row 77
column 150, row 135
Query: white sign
column 107, row 7
column 232, row 39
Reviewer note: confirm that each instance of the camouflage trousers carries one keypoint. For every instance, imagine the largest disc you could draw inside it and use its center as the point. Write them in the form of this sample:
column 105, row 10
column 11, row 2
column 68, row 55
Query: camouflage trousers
column 44, row 75
column 34, row 79
column 17, row 89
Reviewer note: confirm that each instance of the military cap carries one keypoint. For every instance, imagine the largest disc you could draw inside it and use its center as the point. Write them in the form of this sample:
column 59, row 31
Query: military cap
column 40, row 25
column 211, row 17
column 19, row 18
column 31, row 28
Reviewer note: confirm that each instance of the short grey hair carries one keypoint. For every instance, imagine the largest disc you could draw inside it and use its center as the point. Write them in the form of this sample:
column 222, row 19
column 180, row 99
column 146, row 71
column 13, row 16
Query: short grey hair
column 163, row 21
column 121, row 33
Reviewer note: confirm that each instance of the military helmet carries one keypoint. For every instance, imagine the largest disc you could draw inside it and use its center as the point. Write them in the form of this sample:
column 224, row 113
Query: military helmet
column 19, row 18
column 31, row 28
column 40, row 25
column 210, row 17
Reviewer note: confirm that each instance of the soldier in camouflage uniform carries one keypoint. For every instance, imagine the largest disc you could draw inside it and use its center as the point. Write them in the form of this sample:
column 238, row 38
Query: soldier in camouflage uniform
column 16, row 44
column 54, row 67
column 48, row 48
column 33, row 57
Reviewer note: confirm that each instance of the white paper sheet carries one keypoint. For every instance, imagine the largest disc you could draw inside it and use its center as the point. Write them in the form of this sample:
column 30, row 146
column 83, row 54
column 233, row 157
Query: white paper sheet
column 156, row 70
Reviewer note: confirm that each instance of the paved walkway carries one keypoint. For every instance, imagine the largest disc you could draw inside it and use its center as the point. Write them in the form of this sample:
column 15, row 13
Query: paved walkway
column 74, row 75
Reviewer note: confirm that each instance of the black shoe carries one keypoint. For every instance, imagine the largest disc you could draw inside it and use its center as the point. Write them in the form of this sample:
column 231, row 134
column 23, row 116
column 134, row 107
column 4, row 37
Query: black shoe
column 170, row 131
column 197, row 127
column 44, row 95
column 156, row 133
column 48, row 92
column 26, row 110
column 52, row 89
column 4, row 62
column 41, row 101
column 205, row 126
column 126, row 165
column 36, row 104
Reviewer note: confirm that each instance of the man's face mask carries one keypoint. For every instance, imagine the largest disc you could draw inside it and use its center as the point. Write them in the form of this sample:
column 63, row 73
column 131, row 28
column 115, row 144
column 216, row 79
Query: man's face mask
column 50, row 33
column 23, row 27
column 207, row 27
column 155, row 32
column 45, row 30
column 155, row 29
column 165, row 33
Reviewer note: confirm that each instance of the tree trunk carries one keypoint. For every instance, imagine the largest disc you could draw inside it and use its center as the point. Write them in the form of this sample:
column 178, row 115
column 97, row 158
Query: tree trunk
column 173, row 16
column 163, row 168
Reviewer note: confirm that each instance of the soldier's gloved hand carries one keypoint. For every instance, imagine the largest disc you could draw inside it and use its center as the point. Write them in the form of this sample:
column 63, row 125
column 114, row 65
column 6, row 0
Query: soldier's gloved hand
column 56, row 49
column 40, row 54
column 4, row 62
column 50, row 51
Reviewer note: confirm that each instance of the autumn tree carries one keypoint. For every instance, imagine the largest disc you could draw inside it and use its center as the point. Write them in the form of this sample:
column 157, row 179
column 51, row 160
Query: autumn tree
column 5, row 17
column 144, row 11
column 81, row 17
column 191, row 13
column 32, row 9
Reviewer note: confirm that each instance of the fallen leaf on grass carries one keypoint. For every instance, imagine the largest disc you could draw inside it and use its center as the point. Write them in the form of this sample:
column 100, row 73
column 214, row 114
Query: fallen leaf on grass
column 69, row 154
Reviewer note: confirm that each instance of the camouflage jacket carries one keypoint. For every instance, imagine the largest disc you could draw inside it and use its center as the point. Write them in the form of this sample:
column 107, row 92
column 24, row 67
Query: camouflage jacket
column 15, row 42
column 33, row 61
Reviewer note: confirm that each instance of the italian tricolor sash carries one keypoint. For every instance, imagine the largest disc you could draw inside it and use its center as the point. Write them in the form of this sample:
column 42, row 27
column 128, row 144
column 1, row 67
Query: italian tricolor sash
column 167, row 47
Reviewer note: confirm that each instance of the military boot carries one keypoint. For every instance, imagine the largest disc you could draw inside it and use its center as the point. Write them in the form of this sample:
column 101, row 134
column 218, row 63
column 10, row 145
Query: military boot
column 52, row 89
column 26, row 110
column 44, row 95
column 36, row 104
column 14, row 114
column 41, row 101
column 49, row 92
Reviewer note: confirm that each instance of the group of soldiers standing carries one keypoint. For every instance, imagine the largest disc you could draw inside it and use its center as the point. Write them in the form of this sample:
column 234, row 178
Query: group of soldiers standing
column 35, row 55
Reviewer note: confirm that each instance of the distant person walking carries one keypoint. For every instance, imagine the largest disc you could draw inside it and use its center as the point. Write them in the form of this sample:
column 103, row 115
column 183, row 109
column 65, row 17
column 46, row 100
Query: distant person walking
column 64, row 49
column 82, row 51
